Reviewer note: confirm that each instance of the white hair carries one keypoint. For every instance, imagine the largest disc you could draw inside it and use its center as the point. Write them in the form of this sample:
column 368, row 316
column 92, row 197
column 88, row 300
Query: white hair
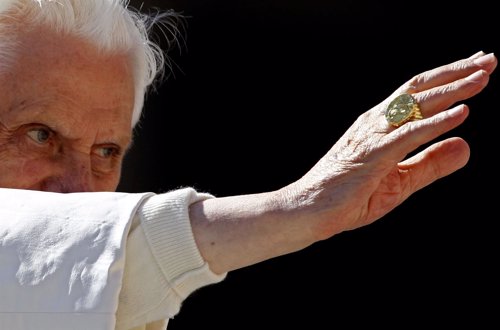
column 111, row 25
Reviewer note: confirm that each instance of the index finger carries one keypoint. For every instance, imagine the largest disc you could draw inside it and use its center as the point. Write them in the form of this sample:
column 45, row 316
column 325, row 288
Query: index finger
column 448, row 73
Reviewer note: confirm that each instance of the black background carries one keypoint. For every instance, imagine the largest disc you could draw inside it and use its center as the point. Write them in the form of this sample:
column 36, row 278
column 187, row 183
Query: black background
column 260, row 91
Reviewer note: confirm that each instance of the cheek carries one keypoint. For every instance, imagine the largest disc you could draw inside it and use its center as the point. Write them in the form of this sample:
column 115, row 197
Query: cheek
column 17, row 171
column 110, row 183
column 107, row 182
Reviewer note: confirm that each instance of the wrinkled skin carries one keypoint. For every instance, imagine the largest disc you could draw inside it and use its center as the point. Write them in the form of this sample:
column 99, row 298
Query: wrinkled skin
column 65, row 125
column 65, row 116
column 365, row 174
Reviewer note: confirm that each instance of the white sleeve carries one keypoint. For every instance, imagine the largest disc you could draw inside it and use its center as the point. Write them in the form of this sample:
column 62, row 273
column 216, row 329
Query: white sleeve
column 62, row 258
column 163, row 264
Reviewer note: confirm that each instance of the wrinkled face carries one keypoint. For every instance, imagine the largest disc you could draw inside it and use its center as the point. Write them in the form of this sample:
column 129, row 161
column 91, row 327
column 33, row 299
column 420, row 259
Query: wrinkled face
column 65, row 116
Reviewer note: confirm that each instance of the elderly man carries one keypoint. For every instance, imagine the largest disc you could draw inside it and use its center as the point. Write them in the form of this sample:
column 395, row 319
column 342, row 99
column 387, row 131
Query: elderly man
column 75, row 254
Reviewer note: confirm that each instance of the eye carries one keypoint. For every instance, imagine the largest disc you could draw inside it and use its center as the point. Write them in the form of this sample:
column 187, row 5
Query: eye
column 106, row 159
column 108, row 152
column 40, row 135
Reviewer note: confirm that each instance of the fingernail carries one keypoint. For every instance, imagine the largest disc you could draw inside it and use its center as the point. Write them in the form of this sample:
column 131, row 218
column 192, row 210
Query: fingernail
column 478, row 54
column 485, row 59
column 456, row 110
column 476, row 76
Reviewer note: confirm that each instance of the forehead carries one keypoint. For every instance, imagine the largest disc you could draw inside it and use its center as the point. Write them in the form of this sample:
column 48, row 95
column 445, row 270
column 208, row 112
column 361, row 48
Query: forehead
column 53, row 69
column 43, row 54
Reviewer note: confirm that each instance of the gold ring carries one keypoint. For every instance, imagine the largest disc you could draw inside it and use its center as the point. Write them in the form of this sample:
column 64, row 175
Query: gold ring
column 402, row 109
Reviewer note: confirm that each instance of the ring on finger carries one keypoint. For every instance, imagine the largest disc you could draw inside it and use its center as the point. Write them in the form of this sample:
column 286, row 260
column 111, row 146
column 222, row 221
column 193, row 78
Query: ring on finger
column 403, row 108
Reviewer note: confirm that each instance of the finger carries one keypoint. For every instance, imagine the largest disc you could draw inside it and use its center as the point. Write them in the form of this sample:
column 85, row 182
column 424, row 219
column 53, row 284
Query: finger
column 407, row 138
column 444, row 87
column 478, row 54
column 433, row 163
column 437, row 99
column 448, row 73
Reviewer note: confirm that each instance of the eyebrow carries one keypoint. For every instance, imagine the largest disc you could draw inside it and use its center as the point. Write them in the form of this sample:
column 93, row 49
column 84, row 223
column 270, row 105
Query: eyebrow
column 26, row 111
column 24, row 104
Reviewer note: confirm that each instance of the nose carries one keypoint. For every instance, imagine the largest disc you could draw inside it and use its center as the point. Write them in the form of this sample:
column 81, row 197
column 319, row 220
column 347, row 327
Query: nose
column 71, row 174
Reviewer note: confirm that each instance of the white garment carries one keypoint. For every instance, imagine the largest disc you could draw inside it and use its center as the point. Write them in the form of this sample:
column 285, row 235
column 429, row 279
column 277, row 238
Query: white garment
column 164, row 265
column 67, row 261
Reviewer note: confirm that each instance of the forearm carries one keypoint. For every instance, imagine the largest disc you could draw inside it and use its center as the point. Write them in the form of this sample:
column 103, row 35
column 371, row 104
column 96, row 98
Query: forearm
column 238, row 231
